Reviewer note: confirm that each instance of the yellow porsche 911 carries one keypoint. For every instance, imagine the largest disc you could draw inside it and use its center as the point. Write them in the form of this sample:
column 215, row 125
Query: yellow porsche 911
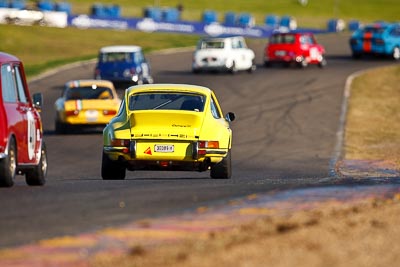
column 86, row 103
column 174, row 127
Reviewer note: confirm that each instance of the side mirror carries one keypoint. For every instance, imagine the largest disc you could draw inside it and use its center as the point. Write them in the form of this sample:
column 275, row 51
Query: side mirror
column 37, row 100
column 230, row 116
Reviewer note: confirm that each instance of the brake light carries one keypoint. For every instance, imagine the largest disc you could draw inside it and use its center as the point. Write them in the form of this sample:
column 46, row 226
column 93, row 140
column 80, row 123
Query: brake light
column 208, row 144
column 120, row 142
column 109, row 112
column 72, row 113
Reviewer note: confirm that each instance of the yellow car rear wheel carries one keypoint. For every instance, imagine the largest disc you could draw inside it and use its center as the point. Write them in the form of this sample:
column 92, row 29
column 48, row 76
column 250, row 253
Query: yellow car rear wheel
column 111, row 170
column 223, row 169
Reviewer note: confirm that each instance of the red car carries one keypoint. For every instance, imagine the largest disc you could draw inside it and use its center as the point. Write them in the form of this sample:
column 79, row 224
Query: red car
column 22, row 149
column 294, row 48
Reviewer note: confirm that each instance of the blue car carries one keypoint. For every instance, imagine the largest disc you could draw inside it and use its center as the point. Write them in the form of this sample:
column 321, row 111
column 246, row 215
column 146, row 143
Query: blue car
column 123, row 64
column 379, row 39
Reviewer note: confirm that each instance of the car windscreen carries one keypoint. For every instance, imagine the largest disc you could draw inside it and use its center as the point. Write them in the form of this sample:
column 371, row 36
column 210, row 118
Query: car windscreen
column 117, row 57
column 167, row 101
column 282, row 39
column 212, row 44
column 88, row 92
column 375, row 30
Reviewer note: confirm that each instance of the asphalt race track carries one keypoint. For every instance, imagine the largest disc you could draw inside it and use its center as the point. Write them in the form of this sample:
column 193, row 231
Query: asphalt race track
column 284, row 136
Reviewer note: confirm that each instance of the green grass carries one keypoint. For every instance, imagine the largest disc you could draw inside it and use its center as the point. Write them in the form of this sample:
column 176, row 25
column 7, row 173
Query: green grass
column 42, row 48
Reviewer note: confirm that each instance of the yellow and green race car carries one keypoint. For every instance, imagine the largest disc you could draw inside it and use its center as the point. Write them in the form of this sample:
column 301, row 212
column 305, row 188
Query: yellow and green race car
column 86, row 103
column 174, row 127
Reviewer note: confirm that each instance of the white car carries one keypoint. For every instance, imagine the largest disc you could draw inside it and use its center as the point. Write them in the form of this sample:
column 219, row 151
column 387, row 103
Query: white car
column 223, row 54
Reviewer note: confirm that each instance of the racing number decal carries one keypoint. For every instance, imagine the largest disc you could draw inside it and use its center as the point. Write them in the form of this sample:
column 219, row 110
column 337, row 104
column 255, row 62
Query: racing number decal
column 31, row 134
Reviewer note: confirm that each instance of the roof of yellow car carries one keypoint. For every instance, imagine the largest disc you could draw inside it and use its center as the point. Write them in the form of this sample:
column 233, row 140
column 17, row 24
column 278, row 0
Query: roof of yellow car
column 168, row 87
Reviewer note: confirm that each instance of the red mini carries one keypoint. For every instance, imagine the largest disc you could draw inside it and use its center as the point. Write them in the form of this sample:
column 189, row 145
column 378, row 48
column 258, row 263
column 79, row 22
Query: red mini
column 296, row 48
column 22, row 149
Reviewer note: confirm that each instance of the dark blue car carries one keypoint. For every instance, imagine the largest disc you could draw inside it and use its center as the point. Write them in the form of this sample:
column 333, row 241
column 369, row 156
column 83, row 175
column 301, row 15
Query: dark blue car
column 123, row 64
column 378, row 39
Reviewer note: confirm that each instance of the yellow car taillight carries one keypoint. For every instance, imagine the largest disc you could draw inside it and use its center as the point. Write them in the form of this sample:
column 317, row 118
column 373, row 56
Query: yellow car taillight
column 208, row 144
column 69, row 113
column 108, row 112
column 120, row 142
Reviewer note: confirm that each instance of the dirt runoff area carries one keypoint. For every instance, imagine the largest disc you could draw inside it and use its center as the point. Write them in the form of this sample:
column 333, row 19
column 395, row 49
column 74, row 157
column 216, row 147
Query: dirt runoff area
column 362, row 234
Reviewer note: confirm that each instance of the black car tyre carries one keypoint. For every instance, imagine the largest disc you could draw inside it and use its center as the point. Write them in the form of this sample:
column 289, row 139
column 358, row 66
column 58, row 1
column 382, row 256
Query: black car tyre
column 223, row 169
column 303, row 63
column 322, row 63
column 37, row 176
column 111, row 170
column 233, row 69
column 252, row 68
column 356, row 55
column 60, row 127
column 8, row 166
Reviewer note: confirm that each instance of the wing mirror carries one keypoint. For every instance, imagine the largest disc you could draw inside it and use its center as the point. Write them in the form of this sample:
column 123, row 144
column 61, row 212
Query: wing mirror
column 37, row 101
column 230, row 116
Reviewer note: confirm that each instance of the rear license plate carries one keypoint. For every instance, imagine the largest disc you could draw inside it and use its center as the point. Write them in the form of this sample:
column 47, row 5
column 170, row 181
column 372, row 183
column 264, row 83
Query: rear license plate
column 164, row 148
column 92, row 115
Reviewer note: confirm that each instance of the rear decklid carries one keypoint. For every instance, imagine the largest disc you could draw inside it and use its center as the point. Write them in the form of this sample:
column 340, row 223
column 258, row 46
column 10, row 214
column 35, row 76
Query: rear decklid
column 166, row 124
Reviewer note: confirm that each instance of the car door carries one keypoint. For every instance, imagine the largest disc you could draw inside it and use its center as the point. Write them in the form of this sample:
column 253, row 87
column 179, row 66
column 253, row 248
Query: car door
column 141, row 62
column 394, row 38
column 243, row 57
column 15, row 110
column 29, row 114
column 310, row 47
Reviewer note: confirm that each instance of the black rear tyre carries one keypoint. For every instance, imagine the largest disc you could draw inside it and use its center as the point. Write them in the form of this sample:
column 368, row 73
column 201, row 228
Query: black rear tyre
column 223, row 169
column 322, row 63
column 111, row 170
column 37, row 176
column 8, row 166
column 60, row 128
column 233, row 69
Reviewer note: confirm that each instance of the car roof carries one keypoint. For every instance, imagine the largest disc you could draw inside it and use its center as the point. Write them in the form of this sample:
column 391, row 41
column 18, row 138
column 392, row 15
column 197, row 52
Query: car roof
column 89, row 82
column 293, row 33
column 120, row 48
column 168, row 88
column 221, row 38
column 4, row 57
